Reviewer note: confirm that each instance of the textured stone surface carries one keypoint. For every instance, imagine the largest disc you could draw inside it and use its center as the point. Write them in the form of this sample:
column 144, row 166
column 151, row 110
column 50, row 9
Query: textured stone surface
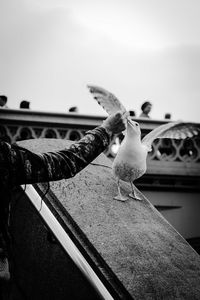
column 145, row 252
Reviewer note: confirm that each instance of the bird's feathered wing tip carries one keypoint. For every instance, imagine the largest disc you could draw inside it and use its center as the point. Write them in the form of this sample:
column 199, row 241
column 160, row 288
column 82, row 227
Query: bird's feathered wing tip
column 173, row 130
column 106, row 99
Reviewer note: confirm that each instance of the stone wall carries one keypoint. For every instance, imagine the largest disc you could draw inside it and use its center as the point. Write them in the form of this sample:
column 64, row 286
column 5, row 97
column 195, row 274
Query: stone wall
column 134, row 250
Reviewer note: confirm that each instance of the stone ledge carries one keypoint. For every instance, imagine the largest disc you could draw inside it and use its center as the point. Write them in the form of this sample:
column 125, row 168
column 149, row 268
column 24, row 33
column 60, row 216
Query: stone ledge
column 146, row 254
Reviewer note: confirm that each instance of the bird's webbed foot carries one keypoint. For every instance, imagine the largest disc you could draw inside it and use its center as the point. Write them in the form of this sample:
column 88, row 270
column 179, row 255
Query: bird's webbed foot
column 133, row 194
column 134, row 197
column 119, row 197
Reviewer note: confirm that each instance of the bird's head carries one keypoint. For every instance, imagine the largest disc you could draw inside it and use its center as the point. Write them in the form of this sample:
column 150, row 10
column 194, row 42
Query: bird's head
column 133, row 128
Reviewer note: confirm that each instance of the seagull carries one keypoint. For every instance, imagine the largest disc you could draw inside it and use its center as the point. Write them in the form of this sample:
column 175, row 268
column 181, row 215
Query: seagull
column 130, row 162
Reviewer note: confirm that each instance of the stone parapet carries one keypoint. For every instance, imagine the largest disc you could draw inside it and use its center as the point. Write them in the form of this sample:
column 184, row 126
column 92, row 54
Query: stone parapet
column 168, row 157
column 135, row 252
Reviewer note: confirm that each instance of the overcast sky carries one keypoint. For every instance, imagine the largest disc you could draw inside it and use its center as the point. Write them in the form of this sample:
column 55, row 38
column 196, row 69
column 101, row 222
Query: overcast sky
column 138, row 49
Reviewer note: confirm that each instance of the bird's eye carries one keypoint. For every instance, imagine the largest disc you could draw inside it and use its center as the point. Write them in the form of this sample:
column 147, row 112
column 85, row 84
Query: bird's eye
column 136, row 124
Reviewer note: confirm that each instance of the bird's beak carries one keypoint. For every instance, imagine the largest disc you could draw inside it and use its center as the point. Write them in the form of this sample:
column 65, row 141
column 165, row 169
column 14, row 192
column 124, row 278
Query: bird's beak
column 133, row 125
column 130, row 123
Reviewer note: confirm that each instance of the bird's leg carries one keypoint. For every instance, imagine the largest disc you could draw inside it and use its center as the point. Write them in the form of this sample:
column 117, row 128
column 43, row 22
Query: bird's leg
column 132, row 194
column 119, row 196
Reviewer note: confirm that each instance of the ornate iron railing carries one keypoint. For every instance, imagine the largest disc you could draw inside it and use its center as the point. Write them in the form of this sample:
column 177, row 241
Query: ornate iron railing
column 168, row 157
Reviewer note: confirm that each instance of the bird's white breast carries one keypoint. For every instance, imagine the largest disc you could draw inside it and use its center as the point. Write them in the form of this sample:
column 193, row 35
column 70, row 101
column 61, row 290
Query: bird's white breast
column 130, row 161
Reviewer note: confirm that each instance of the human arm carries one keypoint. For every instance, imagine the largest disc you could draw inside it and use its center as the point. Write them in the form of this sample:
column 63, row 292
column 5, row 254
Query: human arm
column 20, row 166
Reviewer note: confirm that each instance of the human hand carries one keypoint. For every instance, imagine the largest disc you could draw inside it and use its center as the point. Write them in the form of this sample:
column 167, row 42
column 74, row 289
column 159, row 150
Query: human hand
column 115, row 123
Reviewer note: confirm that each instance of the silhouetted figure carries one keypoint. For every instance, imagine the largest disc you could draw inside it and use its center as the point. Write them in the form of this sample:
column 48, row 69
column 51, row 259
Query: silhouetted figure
column 73, row 109
column 3, row 101
column 168, row 116
column 132, row 113
column 25, row 104
column 146, row 108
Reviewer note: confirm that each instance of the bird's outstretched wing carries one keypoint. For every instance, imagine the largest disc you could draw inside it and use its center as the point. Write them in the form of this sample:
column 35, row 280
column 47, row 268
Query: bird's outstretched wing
column 106, row 99
column 173, row 130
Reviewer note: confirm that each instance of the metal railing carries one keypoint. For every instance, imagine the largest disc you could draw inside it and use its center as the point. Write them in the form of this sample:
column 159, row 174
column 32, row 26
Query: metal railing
column 168, row 157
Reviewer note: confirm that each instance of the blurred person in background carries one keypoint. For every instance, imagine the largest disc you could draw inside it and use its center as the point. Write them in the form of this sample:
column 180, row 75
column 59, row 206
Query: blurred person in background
column 146, row 109
column 24, row 104
column 3, row 101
